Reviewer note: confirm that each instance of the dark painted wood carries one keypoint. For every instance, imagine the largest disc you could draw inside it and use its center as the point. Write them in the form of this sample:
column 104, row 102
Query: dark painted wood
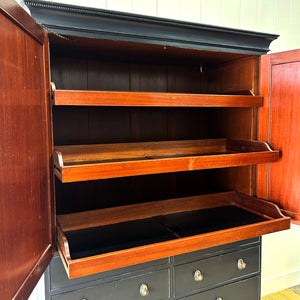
column 217, row 270
column 125, row 289
column 249, row 289
column 96, row 23
column 57, row 282
column 121, row 51
column 26, row 194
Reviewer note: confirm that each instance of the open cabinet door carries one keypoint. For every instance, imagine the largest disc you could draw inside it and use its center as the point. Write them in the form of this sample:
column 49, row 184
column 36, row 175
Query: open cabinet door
column 279, row 125
column 26, row 200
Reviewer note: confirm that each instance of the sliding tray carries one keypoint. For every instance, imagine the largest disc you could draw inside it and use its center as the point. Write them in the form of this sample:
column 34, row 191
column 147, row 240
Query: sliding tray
column 101, row 240
column 90, row 162
column 107, row 98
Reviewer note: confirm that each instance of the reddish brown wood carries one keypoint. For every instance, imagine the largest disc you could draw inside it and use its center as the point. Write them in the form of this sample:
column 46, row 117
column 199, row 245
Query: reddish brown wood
column 134, row 124
column 88, row 162
column 284, row 57
column 141, row 211
column 95, row 264
column 22, row 19
column 279, row 125
column 262, row 170
column 26, row 214
column 125, row 151
column 109, row 261
column 164, row 165
column 104, row 98
column 259, row 206
column 238, row 75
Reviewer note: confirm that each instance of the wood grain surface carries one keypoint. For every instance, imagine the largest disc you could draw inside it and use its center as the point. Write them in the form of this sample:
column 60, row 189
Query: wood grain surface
column 83, row 266
column 280, row 126
column 108, row 98
column 26, row 202
column 90, row 162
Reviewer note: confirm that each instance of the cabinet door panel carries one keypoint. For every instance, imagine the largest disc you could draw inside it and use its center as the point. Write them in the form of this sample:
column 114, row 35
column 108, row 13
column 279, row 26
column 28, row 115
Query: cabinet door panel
column 25, row 147
column 280, row 126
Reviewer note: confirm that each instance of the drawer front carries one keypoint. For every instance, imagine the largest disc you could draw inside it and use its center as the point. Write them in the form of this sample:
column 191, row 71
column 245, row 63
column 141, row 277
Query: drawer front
column 206, row 273
column 246, row 289
column 223, row 249
column 155, row 283
column 59, row 280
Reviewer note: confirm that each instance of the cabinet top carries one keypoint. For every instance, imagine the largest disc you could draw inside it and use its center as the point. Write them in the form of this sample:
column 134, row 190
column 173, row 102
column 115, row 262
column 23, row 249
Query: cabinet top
column 80, row 21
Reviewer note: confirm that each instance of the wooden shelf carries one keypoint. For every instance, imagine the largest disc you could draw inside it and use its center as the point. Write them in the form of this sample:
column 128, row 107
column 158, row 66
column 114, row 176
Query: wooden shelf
column 91, row 162
column 105, row 98
column 101, row 240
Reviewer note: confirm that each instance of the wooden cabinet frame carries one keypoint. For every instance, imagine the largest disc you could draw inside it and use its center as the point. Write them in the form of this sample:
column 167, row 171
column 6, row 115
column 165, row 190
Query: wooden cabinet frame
column 26, row 126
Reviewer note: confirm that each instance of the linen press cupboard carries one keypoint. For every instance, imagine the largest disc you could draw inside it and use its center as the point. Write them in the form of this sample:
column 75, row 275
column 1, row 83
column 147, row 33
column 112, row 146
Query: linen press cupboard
column 152, row 140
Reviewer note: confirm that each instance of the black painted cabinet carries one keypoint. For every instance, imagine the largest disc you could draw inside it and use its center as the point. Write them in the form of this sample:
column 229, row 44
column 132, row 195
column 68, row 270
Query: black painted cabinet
column 227, row 271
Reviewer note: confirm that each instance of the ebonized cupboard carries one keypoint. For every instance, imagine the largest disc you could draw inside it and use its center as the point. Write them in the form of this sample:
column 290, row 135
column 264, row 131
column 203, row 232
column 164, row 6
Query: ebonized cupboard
column 231, row 269
column 147, row 139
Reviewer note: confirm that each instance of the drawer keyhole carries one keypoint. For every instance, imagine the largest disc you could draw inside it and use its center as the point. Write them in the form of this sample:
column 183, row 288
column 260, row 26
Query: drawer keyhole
column 241, row 264
column 198, row 276
column 144, row 290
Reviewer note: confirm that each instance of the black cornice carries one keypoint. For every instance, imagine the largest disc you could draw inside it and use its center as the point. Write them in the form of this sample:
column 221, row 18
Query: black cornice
column 105, row 24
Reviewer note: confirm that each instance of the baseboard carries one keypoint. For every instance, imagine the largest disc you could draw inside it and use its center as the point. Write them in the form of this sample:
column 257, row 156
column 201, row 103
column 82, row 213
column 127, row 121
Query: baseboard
column 280, row 282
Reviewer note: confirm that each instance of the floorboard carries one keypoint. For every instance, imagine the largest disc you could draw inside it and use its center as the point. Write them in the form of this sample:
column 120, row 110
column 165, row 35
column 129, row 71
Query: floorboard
column 287, row 294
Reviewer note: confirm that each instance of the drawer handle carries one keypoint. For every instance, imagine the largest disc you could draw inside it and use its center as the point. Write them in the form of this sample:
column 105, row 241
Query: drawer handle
column 144, row 290
column 219, row 298
column 198, row 276
column 241, row 264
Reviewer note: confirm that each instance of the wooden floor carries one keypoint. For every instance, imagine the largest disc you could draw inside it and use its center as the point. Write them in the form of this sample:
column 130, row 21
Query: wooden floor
column 288, row 294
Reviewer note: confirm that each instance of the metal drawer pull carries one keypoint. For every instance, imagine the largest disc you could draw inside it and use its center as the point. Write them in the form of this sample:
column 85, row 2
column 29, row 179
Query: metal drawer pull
column 241, row 264
column 198, row 276
column 219, row 298
column 144, row 290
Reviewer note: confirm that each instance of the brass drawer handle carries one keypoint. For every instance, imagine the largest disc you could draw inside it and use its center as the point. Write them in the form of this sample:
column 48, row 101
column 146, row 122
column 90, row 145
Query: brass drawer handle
column 219, row 298
column 198, row 276
column 241, row 264
column 144, row 290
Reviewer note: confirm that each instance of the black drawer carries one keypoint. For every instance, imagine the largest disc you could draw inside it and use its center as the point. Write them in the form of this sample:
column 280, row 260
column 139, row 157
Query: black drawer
column 217, row 270
column 156, row 283
column 223, row 249
column 58, row 281
column 246, row 290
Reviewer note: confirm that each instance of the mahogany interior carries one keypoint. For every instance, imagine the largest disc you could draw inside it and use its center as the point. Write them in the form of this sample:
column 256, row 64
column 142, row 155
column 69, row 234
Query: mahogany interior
column 99, row 65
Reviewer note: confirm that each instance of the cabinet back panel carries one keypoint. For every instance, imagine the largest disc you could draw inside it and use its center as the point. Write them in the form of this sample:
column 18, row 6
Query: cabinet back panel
column 82, row 196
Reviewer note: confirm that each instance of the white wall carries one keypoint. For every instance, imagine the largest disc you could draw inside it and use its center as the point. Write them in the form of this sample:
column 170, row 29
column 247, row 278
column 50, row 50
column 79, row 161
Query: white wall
column 281, row 251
